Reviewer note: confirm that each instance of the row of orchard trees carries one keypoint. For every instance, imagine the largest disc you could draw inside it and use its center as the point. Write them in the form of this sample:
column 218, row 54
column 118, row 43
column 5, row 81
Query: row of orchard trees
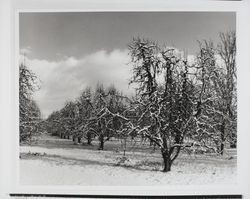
column 178, row 104
column 93, row 114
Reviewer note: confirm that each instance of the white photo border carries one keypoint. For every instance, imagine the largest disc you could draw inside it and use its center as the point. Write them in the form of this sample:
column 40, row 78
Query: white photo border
column 22, row 6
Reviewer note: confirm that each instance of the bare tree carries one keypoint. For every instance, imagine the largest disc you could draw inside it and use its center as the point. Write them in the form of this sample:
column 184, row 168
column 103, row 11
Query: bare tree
column 218, row 100
column 29, row 112
column 85, row 112
column 108, row 107
column 165, row 105
column 227, row 52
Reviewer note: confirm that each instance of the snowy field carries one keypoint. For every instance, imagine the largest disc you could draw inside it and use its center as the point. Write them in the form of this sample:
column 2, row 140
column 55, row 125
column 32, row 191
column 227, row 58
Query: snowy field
column 54, row 161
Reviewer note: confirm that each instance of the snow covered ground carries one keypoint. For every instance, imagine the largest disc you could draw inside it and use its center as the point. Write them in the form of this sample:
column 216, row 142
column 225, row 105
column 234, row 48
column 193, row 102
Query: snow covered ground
column 54, row 161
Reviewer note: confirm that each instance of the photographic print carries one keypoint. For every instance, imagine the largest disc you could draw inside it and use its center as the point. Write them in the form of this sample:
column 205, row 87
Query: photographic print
column 127, row 98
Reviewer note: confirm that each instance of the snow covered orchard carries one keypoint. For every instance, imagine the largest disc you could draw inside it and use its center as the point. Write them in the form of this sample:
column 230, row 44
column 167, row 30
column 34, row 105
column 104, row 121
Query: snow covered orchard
column 179, row 105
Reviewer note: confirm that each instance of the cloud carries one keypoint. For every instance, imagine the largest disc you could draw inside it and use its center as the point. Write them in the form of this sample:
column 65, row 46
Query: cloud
column 63, row 80
column 25, row 51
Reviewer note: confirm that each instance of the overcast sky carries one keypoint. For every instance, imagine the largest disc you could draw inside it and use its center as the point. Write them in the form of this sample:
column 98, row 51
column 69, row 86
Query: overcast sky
column 69, row 51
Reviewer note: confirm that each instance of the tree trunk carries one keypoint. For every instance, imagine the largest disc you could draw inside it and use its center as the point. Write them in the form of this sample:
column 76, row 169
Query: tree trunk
column 233, row 145
column 89, row 138
column 74, row 140
column 89, row 141
column 222, row 138
column 124, row 147
column 101, row 139
column 154, row 146
column 79, row 140
column 166, row 161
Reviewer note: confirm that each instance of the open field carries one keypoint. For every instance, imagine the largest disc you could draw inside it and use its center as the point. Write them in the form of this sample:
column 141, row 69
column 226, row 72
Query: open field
column 54, row 161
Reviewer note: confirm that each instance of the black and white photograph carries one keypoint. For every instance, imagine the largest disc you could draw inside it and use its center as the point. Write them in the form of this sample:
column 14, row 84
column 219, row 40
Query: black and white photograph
column 127, row 98
column 124, row 99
